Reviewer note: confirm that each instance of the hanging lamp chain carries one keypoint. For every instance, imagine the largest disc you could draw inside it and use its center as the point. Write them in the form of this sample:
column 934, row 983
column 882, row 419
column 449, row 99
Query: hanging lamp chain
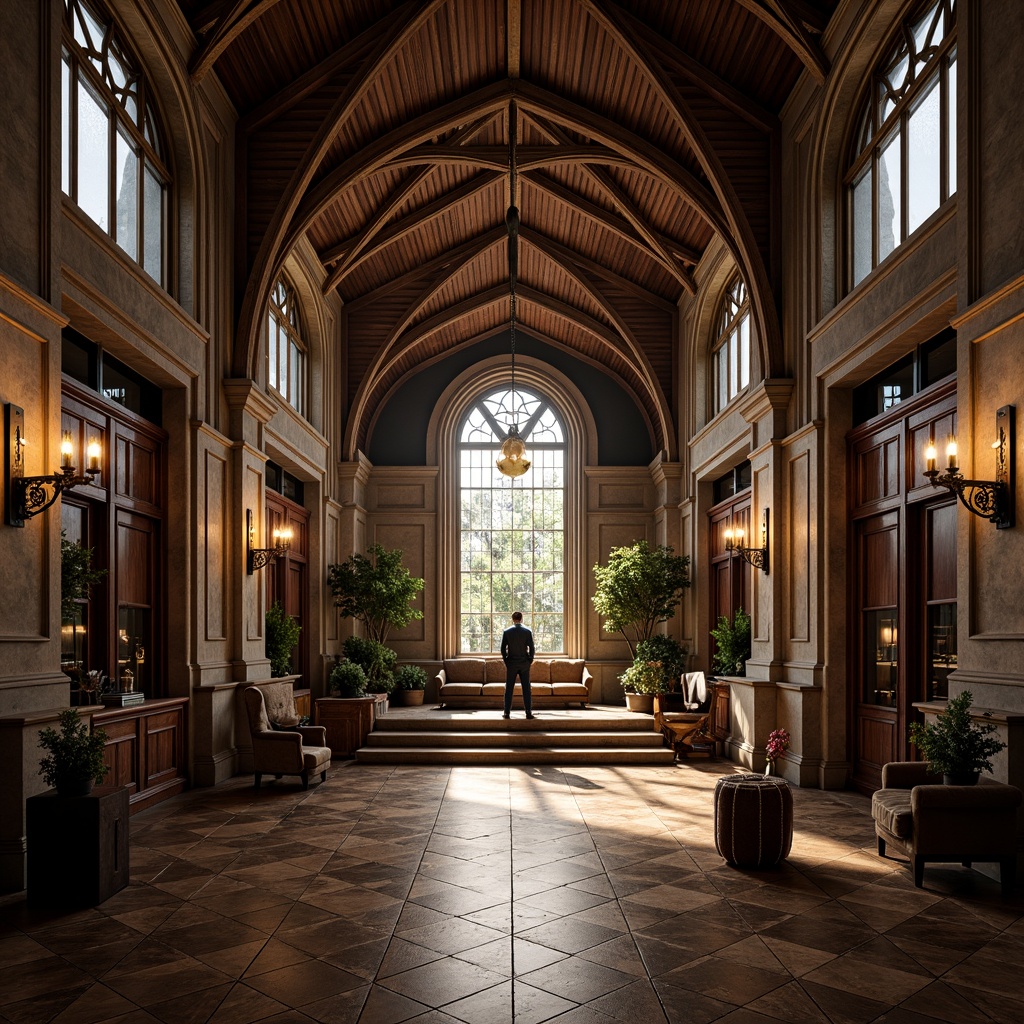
column 512, row 224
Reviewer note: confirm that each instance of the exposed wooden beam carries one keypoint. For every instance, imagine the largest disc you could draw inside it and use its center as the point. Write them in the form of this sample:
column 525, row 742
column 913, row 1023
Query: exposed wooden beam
column 236, row 19
column 478, row 243
column 792, row 32
column 380, row 217
column 413, row 221
column 513, row 29
column 527, row 157
column 566, row 257
column 609, row 219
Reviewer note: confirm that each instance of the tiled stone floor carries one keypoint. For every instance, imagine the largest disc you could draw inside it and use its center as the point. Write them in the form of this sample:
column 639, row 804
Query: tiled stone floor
column 486, row 895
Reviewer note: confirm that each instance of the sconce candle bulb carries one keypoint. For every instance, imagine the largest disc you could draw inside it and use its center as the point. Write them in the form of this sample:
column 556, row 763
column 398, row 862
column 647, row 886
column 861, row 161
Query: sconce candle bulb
column 757, row 557
column 989, row 499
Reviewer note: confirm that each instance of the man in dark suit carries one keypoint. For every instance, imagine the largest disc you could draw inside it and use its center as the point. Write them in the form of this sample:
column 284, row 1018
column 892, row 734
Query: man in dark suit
column 517, row 653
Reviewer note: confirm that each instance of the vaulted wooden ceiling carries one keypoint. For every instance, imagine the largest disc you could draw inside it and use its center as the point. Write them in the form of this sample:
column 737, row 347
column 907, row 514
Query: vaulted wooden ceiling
column 380, row 131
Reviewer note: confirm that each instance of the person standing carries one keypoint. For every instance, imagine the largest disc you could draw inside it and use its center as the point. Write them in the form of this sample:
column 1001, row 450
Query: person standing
column 517, row 653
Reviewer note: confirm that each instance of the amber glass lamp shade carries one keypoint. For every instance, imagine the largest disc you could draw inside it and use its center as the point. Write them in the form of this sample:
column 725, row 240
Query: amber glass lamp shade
column 512, row 462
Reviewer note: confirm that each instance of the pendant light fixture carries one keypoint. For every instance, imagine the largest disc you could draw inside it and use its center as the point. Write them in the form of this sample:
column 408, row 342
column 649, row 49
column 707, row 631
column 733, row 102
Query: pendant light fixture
column 513, row 450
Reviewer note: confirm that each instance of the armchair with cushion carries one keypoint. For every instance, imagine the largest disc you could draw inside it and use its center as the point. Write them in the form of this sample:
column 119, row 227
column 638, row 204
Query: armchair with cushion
column 927, row 821
column 301, row 751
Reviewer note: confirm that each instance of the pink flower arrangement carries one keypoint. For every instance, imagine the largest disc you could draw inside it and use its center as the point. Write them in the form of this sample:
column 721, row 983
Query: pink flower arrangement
column 778, row 744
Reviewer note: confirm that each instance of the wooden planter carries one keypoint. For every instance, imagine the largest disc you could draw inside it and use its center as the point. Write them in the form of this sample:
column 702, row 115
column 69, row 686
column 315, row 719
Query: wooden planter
column 410, row 698
column 348, row 721
column 642, row 702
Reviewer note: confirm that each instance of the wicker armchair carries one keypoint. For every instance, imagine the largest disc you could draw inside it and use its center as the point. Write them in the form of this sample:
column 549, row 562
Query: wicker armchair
column 301, row 751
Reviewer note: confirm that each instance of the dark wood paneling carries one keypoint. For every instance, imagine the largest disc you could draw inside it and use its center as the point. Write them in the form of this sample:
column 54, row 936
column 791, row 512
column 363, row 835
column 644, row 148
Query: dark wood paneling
column 941, row 553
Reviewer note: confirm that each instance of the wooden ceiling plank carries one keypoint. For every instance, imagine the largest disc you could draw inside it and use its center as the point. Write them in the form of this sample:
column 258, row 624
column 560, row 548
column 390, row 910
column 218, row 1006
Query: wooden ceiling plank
column 417, row 219
column 207, row 16
column 703, row 77
column 230, row 26
column 478, row 243
column 791, row 31
column 374, row 225
column 567, row 256
column 608, row 219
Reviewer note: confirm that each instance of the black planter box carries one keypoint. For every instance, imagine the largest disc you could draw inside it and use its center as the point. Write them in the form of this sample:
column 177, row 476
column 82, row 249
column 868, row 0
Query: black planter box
column 77, row 847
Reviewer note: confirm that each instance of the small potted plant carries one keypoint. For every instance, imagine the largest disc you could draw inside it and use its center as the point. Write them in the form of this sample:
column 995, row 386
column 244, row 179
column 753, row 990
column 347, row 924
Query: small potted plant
column 410, row 682
column 348, row 680
column 670, row 652
column 641, row 681
column 954, row 746
column 75, row 756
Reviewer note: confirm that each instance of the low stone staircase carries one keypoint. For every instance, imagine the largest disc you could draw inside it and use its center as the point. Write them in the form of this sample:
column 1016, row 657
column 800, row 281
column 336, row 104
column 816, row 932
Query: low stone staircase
column 482, row 738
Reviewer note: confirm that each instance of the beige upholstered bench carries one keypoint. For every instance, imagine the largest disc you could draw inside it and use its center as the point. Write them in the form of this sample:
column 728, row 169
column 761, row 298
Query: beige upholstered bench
column 480, row 682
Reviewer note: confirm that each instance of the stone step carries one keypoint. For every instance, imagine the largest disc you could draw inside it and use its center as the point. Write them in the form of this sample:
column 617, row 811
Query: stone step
column 493, row 722
column 511, row 738
column 516, row 755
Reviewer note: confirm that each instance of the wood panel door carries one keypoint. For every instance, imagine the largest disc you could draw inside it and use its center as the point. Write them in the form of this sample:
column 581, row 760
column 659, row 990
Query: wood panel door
column 730, row 583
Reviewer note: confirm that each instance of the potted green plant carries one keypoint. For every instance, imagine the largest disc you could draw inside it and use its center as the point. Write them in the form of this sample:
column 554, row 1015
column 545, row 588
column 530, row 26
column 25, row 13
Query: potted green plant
column 410, row 682
column 670, row 652
column 954, row 746
column 376, row 590
column 639, row 588
column 732, row 644
column 75, row 755
column 641, row 681
column 281, row 636
column 348, row 680
column 376, row 659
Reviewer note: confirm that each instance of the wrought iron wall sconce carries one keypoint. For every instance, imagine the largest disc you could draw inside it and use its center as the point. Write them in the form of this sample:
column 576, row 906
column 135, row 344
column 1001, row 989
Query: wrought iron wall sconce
column 757, row 557
column 27, row 496
column 990, row 499
column 257, row 558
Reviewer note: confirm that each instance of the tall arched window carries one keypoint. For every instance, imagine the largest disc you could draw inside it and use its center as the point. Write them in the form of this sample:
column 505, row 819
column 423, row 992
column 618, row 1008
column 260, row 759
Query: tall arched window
column 112, row 162
column 904, row 165
column 286, row 351
column 511, row 531
column 731, row 352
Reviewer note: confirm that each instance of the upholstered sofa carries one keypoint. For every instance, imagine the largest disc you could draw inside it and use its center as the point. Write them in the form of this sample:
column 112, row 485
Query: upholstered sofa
column 927, row 821
column 480, row 682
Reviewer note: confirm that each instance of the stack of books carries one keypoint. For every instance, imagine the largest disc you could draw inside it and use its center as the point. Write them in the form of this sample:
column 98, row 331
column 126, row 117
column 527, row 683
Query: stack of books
column 123, row 700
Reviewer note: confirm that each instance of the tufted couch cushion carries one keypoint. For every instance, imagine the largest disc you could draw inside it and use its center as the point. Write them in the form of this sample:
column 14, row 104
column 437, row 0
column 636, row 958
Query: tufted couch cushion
column 567, row 670
column 464, row 670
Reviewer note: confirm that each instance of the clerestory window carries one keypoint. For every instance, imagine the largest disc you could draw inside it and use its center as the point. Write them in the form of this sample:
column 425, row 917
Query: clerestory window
column 731, row 352
column 112, row 161
column 286, row 351
column 904, row 164
column 511, row 531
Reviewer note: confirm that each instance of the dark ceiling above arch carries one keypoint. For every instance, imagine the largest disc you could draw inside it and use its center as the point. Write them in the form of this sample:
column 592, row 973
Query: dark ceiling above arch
column 379, row 132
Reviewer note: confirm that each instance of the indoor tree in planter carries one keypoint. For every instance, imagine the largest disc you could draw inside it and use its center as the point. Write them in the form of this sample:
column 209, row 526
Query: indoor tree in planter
column 670, row 652
column 75, row 755
column 954, row 746
column 640, row 587
column 732, row 644
column 377, row 591
column 281, row 636
column 375, row 659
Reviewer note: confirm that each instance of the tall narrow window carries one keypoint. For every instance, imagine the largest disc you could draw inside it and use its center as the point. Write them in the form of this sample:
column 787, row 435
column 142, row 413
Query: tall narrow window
column 904, row 165
column 286, row 352
column 512, row 531
column 112, row 164
column 731, row 354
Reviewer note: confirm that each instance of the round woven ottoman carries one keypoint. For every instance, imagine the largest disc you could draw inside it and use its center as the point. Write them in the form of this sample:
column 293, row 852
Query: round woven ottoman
column 753, row 820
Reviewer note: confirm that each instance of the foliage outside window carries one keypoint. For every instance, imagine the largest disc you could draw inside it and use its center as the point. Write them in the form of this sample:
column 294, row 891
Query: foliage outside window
column 731, row 354
column 904, row 165
column 512, row 532
column 112, row 160
column 286, row 352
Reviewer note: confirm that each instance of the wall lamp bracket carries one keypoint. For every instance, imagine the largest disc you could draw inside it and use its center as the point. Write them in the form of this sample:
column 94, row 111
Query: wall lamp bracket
column 259, row 558
column 989, row 499
column 757, row 557
column 27, row 496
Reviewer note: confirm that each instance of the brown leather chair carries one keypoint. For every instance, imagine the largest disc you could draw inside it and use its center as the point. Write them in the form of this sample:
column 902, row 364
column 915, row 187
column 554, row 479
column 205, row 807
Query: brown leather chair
column 927, row 821
column 301, row 751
